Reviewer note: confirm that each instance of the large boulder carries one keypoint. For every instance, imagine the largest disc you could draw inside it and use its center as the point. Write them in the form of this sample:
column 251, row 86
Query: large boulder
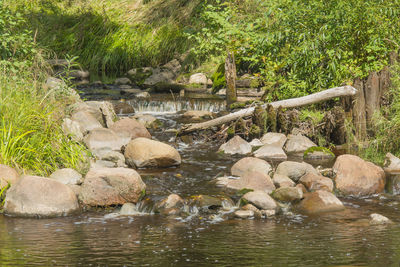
column 111, row 186
column 250, row 164
column 198, row 78
column 143, row 152
column 34, row 196
column 103, row 112
column 87, row 122
column 236, row 145
column 282, row 181
column 320, row 202
column 130, row 129
column 295, row 170
column 357, row 177
column 67, row 176
column 270, row 152
column 288, row 194
column 8, row 175
column 104, row 139
column 72, row 128
column 252, row 180
column 316, row 182
column 261, row 200
column 298, row 144
column 275, row 139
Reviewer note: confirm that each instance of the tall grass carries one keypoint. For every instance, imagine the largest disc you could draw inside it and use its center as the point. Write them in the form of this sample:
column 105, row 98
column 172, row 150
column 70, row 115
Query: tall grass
column 31, row 137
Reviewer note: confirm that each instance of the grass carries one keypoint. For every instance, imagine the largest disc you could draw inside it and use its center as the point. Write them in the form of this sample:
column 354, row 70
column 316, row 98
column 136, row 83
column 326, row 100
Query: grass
column 31, row 138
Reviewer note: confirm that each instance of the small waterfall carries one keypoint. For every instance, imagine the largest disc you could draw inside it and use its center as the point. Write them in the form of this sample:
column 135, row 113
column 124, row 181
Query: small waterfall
column 172, row 106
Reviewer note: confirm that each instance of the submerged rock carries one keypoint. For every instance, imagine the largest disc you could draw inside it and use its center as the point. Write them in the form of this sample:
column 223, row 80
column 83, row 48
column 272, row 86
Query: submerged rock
column 34, row 196
column 210, row 202
column 8, row 175
column 261, row 200
column 111, row 186
column 295, row 170
column 320, row 201
column 170, row 205
column 250, row 164
column 357, row 177
column 274, row 139
column 270, row 152
column 236, row 145
column 377, row 219
column 298, row 144
column 143, row 152
column 316, row 182
column 67, row 176
column 282, row 181
column 252, row 180
column 288, row 194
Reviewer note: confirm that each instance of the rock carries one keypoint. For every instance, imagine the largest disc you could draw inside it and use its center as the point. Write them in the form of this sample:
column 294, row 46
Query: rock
column 298, row 144
column 288, row 194
column 102, row 164
column 268, row 213
column 165, row 74
column 244, row 214
column 8, row 175
column 392, row 164
column 209, row 202
column 129, row 129
column 357, row 177
column 76, row 189
column 320, row 201
column 377, row 219
column 261, row 200
column 270, row 152
column 250, row 164
column 79, row 74
column 257, row 212
column 86, row 121
column 34, row 196
column 280, row 180
column 71, row 128
column 172, row 202
column 123, row 108
column 252, row 180
column 295, row 170
column 111, row 186
column 67, row 176
column 142, row 95
column 143, row 152
column 122, row 81
column 103, row 111
column 128, row 209
column 198, row 78
column 256, row 143
column 104, row 139
column 198, row 114
column 53, row 83
column 276, row 139
column 302, row 187
column 236, row 145
column 316, row 182
column 113, row 156
column 319, row 155
column 148, row 121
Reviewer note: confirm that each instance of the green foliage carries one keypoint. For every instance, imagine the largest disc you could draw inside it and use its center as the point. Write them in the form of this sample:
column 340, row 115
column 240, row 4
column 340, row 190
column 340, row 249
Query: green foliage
column 319, row 149
column 316, row 116
column 300, row 47
column 218, row 78
column 3, row 192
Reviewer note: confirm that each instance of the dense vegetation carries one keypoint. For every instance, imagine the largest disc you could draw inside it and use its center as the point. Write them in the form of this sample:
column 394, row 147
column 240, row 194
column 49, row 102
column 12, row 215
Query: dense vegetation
column 31, row 138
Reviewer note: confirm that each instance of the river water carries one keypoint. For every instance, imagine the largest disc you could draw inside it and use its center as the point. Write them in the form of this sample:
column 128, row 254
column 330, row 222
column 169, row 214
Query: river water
column 103, row 239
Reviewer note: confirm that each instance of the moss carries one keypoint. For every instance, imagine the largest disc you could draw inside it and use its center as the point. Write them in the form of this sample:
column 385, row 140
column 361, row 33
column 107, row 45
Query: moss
column 237, row 105
column 243, row 202
column 168, row 87
column 319, row 149
column 218, row 78
column 255, row 83
column 231, row 131
column 255, row 131
column 139, row 75
column 243, row 191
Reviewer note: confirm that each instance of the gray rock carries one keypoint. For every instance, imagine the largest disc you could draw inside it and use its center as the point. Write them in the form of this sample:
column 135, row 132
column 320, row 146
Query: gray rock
column 298, row 144
column 80, row 74
column 86, row 121
column 122, row 81
column 288, row 194
column 104, row 139
column 34, row 196
column 143, row 152
column 198, row 78
column 111, row 186
column 67, row 176
column 250, row 164
column 236, row 145
column 276, row 139
column 103, row 111
column 270, row 152
column 282, row 181
column 75, row 188
column 261, row 200
column 295, row 170
column 72, row 128
column 244, row 214
column 117, row 158
column 377, row 219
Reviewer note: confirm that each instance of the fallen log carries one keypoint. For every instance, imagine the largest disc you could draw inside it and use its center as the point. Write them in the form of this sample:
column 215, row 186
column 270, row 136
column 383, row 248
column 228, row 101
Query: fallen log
column 288, row 103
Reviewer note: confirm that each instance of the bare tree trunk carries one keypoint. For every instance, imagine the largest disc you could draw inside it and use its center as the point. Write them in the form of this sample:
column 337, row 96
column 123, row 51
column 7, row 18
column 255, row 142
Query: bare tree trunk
column 289, row 103
column 230, row 77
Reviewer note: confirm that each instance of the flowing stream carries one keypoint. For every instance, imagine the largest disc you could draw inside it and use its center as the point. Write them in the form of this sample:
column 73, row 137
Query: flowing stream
column 201, row 239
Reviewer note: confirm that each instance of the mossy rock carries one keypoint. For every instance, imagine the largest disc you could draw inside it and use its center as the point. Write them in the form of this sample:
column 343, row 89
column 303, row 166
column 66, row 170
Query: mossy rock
column 167, row 88
column 237, row 105
column 139, row 75
column 318, row 152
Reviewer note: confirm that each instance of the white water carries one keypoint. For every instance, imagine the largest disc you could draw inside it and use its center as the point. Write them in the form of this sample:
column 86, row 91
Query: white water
column 171, row 106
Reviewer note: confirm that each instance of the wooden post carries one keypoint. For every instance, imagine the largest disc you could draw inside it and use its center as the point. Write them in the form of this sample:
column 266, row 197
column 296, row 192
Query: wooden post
column 230, row 77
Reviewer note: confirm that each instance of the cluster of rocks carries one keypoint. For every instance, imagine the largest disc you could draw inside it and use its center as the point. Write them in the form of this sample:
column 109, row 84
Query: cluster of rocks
column 118, row 146
column 295, row 184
